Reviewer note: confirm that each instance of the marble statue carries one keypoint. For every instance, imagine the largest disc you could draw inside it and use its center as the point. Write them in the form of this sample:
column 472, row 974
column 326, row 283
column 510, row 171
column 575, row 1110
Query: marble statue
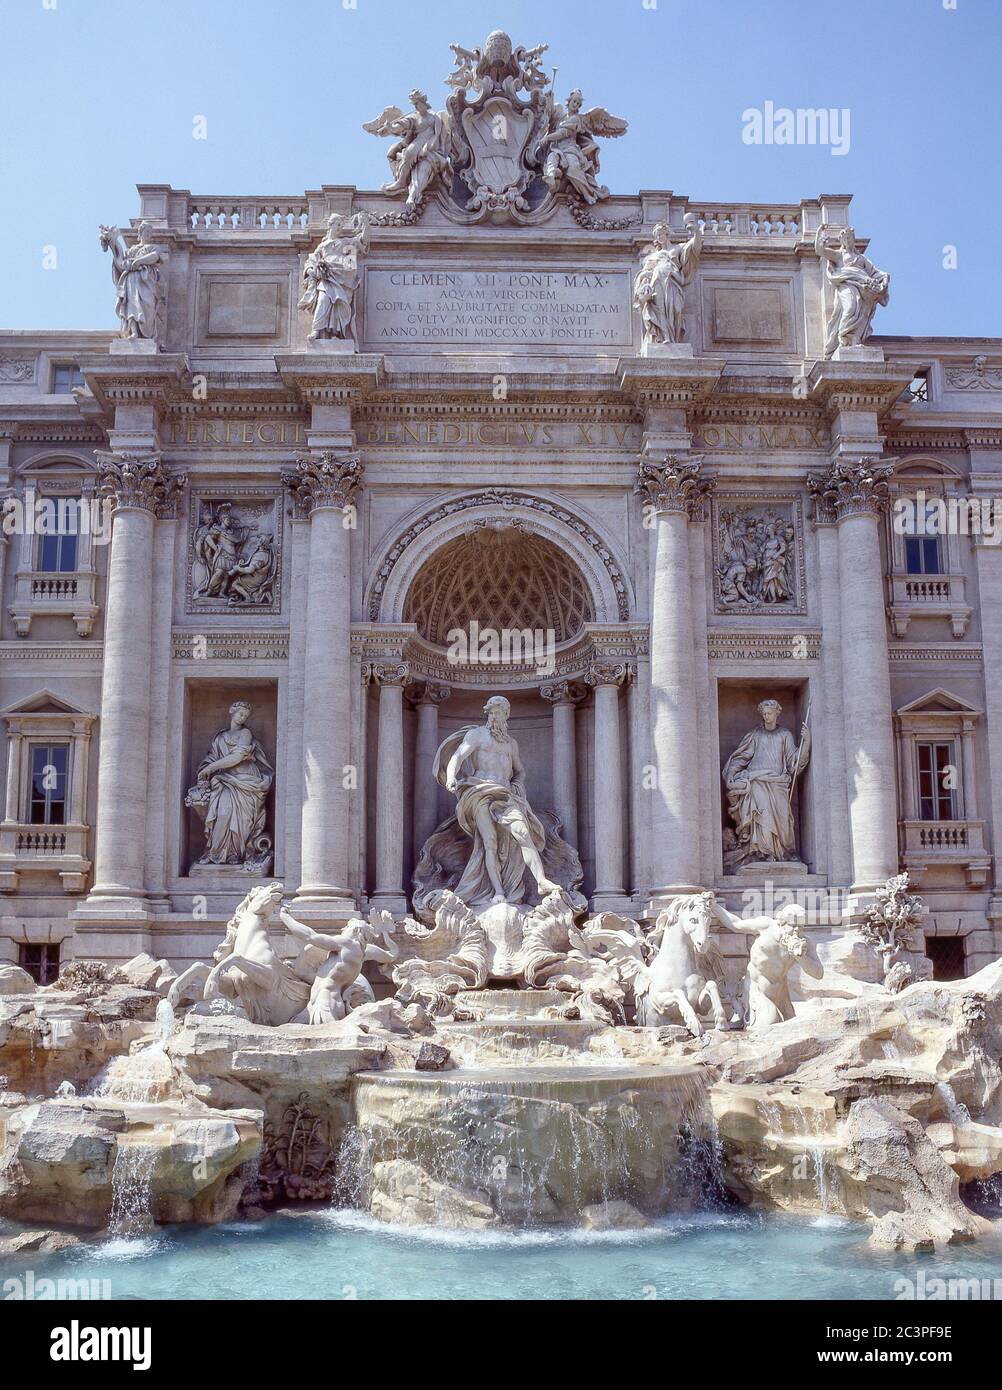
column 686, row 975
column 333, row 962
column 889, row 926
column 322, row 984
column 139, row 274
column 248, row 972
column 779, row 945
column 331, row 276
column 436, row 963
column 759, row 777
column 422, row 154
column 480, row 765
column 858, row 285
column 230, row 793
column 570, row 147
column 659, row 287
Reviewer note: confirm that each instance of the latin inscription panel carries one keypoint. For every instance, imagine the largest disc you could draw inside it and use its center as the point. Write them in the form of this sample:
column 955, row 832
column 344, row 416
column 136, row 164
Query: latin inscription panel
column 489, row 310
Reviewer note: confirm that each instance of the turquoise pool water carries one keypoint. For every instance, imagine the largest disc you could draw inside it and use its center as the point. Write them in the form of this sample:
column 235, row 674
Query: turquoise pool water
column 345, row 1255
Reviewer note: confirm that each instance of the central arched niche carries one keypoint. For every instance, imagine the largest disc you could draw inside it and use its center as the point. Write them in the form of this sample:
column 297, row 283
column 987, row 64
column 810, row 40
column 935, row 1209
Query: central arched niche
column 502, row 576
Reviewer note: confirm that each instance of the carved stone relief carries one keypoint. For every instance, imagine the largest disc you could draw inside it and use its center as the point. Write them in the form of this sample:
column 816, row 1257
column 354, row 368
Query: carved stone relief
column 234, row 553
column 758, row 560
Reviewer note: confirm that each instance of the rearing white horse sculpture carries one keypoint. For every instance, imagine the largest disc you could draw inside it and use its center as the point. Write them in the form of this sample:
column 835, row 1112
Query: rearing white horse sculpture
column 682, row 979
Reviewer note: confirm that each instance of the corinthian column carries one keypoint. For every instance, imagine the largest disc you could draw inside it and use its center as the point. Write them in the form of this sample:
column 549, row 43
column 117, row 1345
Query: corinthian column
column 562, row 697
column 323, row 486
column 425, row 798
column 142, row 490
column 610, row 791
column 674, row 492
column 856, row 490
column 391, row 679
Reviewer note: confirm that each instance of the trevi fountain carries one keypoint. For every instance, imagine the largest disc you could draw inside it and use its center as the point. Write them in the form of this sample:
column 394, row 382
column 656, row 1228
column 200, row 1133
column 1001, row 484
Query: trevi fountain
column 394, row 968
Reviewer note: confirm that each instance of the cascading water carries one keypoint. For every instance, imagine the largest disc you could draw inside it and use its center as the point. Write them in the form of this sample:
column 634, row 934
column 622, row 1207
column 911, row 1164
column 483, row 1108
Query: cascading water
column 145, row 1076
column 530, row 1145
column 132, row 1186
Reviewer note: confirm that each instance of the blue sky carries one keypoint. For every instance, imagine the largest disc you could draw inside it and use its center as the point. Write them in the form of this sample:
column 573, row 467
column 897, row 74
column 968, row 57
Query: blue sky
column 99, row 95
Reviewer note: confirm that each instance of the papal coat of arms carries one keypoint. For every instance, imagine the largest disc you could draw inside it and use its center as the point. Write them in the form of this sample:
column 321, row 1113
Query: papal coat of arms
column 503, row 147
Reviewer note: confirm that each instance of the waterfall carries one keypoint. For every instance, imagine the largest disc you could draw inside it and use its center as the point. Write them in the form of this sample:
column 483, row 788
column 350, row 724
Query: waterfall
column 132, row 1186
column 145, row 1076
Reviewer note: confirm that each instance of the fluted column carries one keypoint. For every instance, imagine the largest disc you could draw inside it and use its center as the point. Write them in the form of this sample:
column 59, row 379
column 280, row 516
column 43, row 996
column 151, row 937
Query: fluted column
column 606, row 677
column 833, row 743
column 142, row 490
column 425, row 798
column 323, row 486
column 563, row 696
column 673, row 491
column 391, row 679
column 856, row 490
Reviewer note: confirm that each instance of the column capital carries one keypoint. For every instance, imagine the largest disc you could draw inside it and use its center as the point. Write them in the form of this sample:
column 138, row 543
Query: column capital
column 323, row 479
column 390, row 673
column 674, row 485
column 604, row 671
column 140, row 480
column 428, row 693
column 851, row 487
column 562, row 693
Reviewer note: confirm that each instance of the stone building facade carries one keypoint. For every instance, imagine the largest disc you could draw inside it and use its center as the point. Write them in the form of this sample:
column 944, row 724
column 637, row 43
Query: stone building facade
column 495, row 444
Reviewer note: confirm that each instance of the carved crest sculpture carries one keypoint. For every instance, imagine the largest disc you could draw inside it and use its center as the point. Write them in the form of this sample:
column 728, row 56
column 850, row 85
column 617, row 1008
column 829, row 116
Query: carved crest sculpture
column 503, row 147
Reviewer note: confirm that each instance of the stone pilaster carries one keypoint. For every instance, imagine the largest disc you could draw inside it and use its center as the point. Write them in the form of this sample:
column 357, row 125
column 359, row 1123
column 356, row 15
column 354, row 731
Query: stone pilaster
column 427, row 699
column 674, row 492
column 606, row 678
column 391, row 678
column 142, row 490
column 322, row 488
column 988, row 559
column 563, row 697
column 855, row 491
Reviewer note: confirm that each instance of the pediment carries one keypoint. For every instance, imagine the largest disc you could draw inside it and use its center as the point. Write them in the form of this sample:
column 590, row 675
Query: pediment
column 938, row 701
column 43, row 702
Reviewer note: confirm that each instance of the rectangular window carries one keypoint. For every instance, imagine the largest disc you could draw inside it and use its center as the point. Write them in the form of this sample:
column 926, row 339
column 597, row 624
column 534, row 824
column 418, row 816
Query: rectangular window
column 49, row 762
column 40, row 959
column 937, row 771
column 923, row 550
column 57, row 554
column 918, row 390
column 64, row 377
column 947, row 956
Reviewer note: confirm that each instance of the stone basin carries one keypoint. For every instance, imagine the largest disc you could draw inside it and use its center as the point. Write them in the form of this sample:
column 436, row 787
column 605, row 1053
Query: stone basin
column 530, row 1041
column 525, row 1146
column 510, row 1003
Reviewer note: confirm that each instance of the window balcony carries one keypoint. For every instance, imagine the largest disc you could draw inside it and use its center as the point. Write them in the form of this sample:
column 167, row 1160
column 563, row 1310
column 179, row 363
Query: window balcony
column 71, row 594
column 931, row 844
column 928, row 596
column 43, row 849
